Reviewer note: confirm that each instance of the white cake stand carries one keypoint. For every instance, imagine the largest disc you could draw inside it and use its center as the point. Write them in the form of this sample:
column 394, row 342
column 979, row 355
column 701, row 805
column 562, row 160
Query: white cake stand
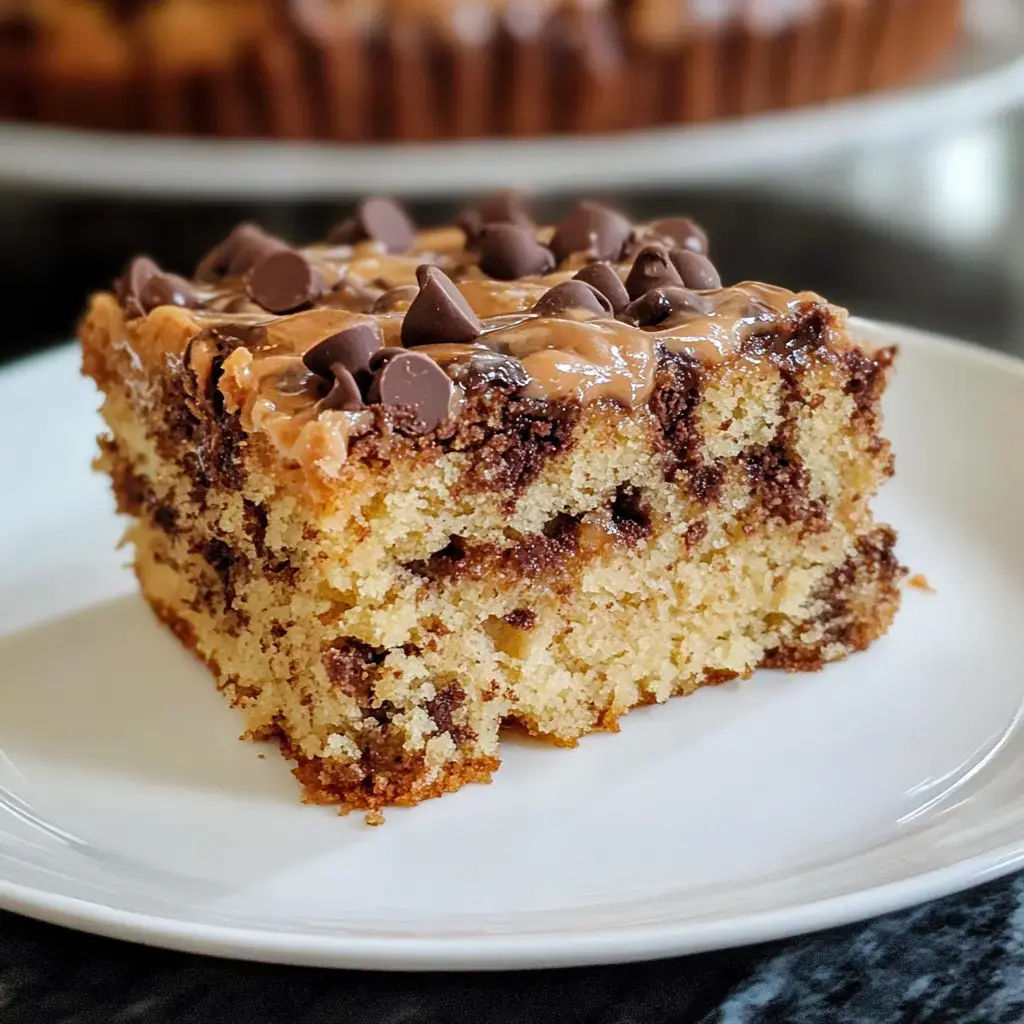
column 985, row 77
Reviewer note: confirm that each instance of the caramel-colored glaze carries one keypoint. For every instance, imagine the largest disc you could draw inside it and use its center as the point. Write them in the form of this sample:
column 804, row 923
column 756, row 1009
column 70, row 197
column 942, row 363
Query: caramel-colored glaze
column 490, row 298
column 276, row 395
column 584, row 360
column 564, row 357
column 736, row 313
column 571, row 356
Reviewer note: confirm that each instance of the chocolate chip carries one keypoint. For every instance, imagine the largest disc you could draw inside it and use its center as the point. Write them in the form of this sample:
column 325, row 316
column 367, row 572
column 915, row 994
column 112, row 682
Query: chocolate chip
column 247, row 245
column 414, row 381
column 508, row 252
column 379, row 219
column 652, row 268
column 397, row 299
column 439, row 313
column 572, row 295
column 351, row 349
column 131, row 282
column 506, row 207
column 695, row 269
column 383, row 355
column 285, row 281
column 681, row 232
column 167, row 290
column 144, row 286
column 658, row 304
column 344, row 394
column 592, row 229
column 602, row 276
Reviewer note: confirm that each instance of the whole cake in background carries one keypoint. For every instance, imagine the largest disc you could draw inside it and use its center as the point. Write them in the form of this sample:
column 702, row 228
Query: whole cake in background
column 403, row 488
column 438, row 69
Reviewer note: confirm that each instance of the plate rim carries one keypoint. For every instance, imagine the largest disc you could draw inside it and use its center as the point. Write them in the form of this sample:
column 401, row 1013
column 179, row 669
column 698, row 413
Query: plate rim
column 550, row 949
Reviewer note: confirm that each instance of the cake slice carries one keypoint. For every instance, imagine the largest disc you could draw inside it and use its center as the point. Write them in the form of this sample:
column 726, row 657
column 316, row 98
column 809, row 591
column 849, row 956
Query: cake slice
column 402, row 489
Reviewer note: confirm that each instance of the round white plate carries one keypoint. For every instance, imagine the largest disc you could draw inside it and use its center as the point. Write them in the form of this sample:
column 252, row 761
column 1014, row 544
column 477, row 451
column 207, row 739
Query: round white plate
column 986, row 76
column 745, row 812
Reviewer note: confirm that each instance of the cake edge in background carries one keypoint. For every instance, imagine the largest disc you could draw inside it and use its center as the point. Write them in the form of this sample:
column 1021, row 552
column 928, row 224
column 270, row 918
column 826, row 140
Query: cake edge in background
column 406, row 71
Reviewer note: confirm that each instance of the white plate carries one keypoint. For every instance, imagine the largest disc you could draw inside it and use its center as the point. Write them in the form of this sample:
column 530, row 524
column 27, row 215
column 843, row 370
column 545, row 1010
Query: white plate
column 745, row 812
column 986, row 76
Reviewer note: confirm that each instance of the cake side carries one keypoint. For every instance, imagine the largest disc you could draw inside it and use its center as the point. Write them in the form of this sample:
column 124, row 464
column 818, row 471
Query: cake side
column 383, row 600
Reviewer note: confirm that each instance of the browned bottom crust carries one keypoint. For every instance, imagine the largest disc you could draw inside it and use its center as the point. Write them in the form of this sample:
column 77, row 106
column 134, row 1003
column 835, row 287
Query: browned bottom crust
column 397, row 783
column 578, row 74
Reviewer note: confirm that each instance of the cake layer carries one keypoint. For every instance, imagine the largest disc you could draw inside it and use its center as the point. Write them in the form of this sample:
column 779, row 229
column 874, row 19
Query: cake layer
column 434, row 70
column 491, row 501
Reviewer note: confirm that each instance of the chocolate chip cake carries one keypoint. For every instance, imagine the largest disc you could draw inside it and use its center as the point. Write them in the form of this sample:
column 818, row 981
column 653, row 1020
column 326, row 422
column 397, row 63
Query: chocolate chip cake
column 404, row 488
column 435, row 69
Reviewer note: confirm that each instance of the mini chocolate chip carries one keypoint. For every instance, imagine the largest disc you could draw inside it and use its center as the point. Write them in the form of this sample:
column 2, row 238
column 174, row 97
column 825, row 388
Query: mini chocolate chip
column 679, row 231
column 695, row 269
column 506, row 207
column 285, row 281
column 508, row 252
column 439, row 313
column 592, row 229
column 379, row 219
column 351, row 348
column 167, row 290
column 472, row 225
column 383, row 355
column 247, row 245
column 397, row 299
column 569, row 295
column 657, row 305
column 414, row 381
column 344, row 395
column 131, row 282
column 602, row 276
column 253, row 248
column 652, row 268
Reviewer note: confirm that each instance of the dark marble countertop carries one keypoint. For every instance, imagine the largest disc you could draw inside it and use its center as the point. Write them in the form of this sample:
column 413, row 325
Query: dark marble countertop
column 959, row 960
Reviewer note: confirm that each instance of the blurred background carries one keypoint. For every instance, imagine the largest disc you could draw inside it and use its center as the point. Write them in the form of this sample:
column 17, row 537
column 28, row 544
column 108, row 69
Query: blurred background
column 908, row 207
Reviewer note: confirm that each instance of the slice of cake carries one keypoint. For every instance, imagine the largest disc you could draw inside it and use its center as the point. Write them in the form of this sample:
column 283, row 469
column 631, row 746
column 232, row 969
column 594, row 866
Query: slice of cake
column 401, row 489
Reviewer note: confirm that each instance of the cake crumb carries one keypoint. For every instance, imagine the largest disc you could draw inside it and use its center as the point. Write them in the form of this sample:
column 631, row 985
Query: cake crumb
column 373, row 818
column 919, row 582
column 262, row 757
